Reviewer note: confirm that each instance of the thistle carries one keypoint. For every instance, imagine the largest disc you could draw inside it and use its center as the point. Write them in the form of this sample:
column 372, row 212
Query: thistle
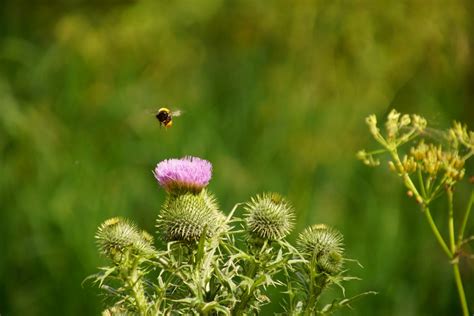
column 118, row 237
column 189, row 209
column 202, row 271
column 184, row 217
column 323, row 246
column 188, row 174
column 269, row 217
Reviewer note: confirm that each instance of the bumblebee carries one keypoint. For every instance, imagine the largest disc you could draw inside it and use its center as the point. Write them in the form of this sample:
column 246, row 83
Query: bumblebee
column 165, row 116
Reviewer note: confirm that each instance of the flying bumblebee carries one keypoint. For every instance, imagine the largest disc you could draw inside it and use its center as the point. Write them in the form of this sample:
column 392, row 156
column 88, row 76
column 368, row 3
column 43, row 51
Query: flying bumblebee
column 165, row 116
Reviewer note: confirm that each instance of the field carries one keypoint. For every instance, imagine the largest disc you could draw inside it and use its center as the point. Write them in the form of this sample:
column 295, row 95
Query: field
column 273, row 94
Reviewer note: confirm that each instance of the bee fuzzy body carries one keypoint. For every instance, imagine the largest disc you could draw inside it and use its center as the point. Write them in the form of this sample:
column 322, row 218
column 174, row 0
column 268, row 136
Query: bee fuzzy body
column 165, row 116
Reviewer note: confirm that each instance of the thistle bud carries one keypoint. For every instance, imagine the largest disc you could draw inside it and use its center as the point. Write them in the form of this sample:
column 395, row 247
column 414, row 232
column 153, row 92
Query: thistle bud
column 269, row 217
column 184, row 217
column 117, row 237
column 323, row 245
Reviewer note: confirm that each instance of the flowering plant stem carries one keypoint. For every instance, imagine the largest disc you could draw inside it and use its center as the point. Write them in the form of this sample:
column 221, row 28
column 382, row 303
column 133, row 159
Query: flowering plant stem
column 203, row 271
column 314, row 292
column 424, row 200
column 464, row 221
column 246, row 296
column 136, row 288
column 253, row 268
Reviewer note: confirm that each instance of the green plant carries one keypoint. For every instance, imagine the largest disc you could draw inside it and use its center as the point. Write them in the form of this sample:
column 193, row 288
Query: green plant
column 431, row 168
column 215, row 264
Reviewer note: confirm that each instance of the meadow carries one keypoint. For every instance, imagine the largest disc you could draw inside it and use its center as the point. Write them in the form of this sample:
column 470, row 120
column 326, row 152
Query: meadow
column 275, row 95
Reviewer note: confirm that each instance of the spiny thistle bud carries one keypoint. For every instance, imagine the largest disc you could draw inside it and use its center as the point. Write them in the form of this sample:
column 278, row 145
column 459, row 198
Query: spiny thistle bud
column 184, row 217
column 269, row 217
column 323, row 245
column 182, row 175
column 118, row 236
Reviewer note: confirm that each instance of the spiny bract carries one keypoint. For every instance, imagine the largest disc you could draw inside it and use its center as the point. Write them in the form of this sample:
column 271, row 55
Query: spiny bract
column 324, row 245
column 184, row 217
column 116, row 236
column 269, row 216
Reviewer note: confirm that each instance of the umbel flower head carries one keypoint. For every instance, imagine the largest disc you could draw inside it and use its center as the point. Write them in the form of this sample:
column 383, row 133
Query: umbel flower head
column 117, row 237
column 322, row 245
column 269, row 217
column 185, row 217
column 185, row 174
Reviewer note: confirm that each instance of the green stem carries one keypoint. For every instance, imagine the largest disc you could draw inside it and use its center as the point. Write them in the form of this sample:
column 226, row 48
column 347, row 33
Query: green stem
column 466, row 217
column 316, row 284
column 428, row 185
column 437, row 189
column 409, row 184
column 406, row 178
column 451, row 220
column 462, row 295
column 457, row 275
column 137, row 290
column 246, row 296
column 436, row 232
column 422, row 185
column 316, row 290
column 313, row 297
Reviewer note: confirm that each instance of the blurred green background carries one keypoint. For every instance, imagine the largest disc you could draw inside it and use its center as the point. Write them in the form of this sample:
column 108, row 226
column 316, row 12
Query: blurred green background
column 274, row 94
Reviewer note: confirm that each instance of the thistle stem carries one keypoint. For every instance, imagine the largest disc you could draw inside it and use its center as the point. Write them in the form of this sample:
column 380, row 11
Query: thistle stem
column 317, row 284
column 137, row 290
column 251, row 272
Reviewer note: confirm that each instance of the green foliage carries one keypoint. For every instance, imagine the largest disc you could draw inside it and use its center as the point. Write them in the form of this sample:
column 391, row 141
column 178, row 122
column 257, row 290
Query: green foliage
column 429, row 171
column 272, row 93
column 211, row 275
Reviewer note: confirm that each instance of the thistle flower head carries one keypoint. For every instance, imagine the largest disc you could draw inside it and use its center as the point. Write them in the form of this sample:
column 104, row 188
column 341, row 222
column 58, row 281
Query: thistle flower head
column 269, row 216
column 117, row 236
column 323, row 245
column 185, row 174
column 184, row 217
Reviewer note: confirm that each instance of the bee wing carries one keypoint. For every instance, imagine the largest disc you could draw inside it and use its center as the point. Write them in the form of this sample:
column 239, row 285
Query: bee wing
column 176, row 113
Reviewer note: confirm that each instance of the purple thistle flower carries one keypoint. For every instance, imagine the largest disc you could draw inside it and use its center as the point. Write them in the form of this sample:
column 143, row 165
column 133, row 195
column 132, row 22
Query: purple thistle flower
column 188, row 174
